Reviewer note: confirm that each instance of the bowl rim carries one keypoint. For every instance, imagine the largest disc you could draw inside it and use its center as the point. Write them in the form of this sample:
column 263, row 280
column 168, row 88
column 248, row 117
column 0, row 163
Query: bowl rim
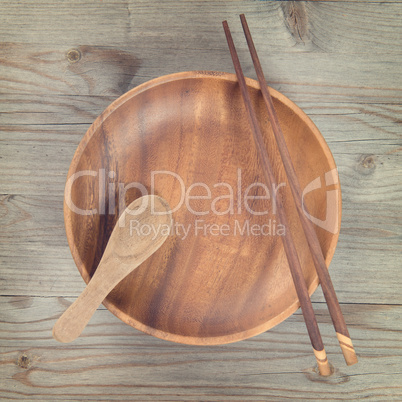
column 194, row 340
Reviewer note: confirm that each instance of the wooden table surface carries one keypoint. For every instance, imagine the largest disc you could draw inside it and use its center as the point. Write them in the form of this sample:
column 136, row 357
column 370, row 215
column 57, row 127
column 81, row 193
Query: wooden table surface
column 62, row 63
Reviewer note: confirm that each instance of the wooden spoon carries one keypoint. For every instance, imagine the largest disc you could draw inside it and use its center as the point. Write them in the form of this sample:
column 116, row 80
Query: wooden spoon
column 141, row 229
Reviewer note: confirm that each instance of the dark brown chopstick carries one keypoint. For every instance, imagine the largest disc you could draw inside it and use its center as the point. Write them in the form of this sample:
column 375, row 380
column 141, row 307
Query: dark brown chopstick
column 310, row 234
column 289, row 247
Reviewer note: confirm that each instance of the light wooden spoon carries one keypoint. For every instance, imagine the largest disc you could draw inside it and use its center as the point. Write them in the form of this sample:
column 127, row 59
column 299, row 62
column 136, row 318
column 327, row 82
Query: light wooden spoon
column 141, row 229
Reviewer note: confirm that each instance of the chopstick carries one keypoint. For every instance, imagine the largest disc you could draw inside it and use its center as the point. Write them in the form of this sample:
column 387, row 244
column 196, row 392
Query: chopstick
column 322, row 271
column 289, row 247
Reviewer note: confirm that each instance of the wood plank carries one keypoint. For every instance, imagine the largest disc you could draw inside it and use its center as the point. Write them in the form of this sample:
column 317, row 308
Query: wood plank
column 378, row 107
column 113, row 70
column 112, row 361
column 315, row 26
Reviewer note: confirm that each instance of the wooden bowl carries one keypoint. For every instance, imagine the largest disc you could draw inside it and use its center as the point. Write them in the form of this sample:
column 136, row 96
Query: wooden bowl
column 215, row 285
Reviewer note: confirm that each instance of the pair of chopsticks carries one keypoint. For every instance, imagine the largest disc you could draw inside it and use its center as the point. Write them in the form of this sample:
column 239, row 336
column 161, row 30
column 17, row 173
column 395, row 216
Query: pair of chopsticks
column 310, row 234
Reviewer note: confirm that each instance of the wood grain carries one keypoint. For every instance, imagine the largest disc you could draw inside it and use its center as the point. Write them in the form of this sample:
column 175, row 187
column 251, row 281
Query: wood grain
column 290, row 69
column 343, row 71
column 112, row 361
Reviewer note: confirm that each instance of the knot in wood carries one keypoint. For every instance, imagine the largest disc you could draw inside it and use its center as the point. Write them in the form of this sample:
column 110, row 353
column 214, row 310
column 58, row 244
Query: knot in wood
column 24, row 361
column 368, row 161
column 73, row 55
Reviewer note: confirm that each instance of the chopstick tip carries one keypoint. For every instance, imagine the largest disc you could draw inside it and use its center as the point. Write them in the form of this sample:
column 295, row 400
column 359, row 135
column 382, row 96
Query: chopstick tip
column 226, row 28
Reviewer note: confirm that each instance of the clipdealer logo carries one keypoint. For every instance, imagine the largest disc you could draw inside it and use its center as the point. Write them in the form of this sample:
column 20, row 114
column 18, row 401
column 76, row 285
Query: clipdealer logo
column 236, row 201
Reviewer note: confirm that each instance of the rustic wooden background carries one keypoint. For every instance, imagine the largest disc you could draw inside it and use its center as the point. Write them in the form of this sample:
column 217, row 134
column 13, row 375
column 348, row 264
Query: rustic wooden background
column 62, row 63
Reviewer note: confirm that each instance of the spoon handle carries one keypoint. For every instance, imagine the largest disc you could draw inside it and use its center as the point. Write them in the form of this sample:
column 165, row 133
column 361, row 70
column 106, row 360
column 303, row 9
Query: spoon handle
column 73, row 321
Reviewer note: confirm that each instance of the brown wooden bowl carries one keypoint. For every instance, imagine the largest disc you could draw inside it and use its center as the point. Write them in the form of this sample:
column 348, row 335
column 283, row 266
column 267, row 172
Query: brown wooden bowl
column 216, row 285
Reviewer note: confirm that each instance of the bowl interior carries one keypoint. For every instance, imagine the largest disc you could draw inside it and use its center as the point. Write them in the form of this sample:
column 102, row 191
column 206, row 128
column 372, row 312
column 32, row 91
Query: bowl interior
column 223, row 275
